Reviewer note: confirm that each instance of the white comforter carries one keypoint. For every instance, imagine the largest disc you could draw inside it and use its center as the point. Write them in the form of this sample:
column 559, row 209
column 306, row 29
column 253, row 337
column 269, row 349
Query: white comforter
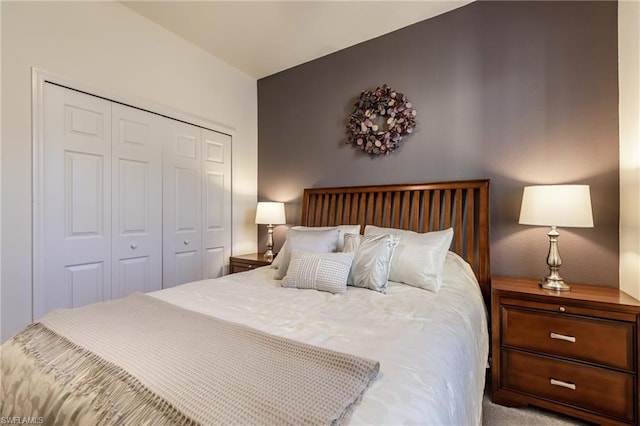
column 432, row 348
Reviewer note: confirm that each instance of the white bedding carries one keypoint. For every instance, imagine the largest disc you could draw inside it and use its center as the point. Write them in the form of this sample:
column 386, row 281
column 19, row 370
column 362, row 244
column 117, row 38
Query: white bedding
column 432, row 347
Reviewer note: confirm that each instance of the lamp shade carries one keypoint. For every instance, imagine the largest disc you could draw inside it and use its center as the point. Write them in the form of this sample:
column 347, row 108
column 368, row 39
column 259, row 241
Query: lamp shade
column 270, row 213
column 557, row 205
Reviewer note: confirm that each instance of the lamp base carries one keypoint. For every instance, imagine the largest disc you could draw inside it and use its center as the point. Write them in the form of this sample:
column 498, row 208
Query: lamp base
column 268, row 254
column 555, row 284
column 554, row 281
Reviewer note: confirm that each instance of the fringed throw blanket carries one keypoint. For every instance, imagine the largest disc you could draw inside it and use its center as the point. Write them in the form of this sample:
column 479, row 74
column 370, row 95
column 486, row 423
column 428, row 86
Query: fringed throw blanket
column 144, row 361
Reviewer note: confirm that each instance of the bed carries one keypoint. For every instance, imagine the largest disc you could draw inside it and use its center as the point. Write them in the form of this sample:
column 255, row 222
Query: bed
column 419, row 354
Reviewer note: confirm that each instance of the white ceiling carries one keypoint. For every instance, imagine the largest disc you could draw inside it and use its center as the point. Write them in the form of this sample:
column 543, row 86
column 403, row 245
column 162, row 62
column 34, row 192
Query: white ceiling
column 262, row 38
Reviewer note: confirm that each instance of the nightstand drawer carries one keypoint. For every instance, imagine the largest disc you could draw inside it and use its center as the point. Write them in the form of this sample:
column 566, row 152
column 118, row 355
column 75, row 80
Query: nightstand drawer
column 596, row 340
column 608, row 392
column 242, row 267
column 247, row 262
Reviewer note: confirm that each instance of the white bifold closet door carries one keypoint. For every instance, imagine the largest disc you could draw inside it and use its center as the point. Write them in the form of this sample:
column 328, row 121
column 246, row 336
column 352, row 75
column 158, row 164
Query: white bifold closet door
column 76, row 201
column 136, row 197
column 216, row 203
column 197, row 193
column 182, row 205
column 132, row 201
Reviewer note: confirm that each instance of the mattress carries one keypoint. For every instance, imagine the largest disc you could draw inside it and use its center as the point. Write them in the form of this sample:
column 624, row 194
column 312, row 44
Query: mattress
column 432, row 347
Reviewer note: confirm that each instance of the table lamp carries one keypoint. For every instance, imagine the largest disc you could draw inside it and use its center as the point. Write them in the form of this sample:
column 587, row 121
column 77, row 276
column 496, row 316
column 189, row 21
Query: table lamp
column 270, row 213
column 556, row 205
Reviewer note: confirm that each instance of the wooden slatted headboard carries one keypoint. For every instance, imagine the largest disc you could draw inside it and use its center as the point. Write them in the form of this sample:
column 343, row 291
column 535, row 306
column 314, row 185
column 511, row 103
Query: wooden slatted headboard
column 463, row 205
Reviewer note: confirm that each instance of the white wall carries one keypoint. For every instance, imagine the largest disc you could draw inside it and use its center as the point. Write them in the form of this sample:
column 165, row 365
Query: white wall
column 629, row 89
column 107, row 46
column 1, row 340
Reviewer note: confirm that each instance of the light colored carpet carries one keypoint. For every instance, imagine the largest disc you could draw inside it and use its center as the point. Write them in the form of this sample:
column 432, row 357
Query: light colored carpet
column 497, row 415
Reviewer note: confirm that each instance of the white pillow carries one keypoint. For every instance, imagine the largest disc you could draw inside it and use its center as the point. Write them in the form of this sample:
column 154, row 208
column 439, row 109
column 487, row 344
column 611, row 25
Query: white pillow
column 318, row 271
column 372, row 260
column 342, row 229
column 419, row 257
column 317, row 241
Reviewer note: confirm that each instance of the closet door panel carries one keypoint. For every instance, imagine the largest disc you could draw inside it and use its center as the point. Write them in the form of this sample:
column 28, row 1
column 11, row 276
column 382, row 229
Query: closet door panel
column 182, row 204
column 86, row 283
column 217, row 203
column 214, row 262
column 187, row 215
column 134, row 274
column 84, row 196
column 76, row 201
column 187, row 266
column 136, row 201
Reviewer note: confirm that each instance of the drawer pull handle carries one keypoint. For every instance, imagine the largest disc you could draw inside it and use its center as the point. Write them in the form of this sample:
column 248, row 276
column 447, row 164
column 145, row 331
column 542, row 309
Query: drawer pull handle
column 560, row 383
column 562, row 337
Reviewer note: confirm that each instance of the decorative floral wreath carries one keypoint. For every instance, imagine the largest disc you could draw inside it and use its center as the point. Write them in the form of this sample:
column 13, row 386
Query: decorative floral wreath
column 381, row 108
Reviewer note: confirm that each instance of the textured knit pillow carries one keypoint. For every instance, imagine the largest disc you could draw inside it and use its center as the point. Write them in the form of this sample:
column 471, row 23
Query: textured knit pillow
column 314, row 241
column 419, row 257
column 318, row 271
column 372, row 260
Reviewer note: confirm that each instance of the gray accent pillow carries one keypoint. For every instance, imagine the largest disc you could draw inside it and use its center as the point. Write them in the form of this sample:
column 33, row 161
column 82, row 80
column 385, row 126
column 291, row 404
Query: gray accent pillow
column 320, row 241
column 318, row 271
column 342, row 230
column 372, row 260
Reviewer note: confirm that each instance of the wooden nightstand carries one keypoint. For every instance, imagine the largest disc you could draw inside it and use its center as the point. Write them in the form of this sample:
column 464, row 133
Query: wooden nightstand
column 572, row 352
column 247, row 262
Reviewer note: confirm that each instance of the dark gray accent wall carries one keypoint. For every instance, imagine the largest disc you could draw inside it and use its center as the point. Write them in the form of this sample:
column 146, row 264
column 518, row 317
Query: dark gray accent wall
column 519, row 92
